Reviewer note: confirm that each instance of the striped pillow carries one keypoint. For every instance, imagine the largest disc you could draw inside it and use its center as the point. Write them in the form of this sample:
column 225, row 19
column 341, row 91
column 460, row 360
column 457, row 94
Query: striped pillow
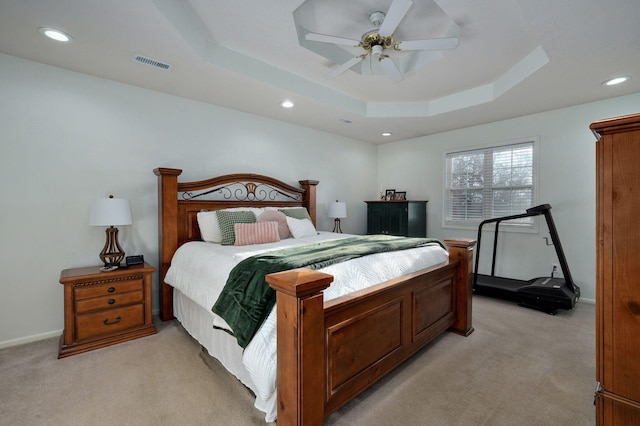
column 256, row 233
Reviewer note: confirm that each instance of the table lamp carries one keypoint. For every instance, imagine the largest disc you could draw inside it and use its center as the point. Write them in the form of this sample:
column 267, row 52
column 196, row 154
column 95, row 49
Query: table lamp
column 337, row 211
column 110, row 212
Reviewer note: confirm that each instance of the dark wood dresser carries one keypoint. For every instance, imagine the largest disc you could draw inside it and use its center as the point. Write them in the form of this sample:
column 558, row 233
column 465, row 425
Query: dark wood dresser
column 403, row 218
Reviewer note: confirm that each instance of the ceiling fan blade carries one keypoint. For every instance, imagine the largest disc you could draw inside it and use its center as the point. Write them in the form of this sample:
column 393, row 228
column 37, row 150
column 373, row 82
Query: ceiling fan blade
column 429, row 44
column 391, row 69
column 331, row 39
column 342, row 68
column 396, row 13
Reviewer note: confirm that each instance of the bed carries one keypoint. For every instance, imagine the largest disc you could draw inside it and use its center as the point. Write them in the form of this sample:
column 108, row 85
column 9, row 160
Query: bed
column 327, row 351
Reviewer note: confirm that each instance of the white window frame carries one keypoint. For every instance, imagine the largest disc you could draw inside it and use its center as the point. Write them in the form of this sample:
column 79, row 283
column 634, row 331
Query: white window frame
column 528, row 225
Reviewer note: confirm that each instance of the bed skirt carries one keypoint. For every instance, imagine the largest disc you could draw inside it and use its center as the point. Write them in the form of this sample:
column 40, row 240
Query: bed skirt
column 198, row 322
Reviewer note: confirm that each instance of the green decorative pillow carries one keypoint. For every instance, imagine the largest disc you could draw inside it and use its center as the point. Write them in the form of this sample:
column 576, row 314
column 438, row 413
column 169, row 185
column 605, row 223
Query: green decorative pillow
column 296, row 213
column 227, row 219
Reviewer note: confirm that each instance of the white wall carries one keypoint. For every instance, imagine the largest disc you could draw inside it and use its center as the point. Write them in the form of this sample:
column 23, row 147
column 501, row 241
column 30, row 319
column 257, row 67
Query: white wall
column 566, row 181
column 66, row 138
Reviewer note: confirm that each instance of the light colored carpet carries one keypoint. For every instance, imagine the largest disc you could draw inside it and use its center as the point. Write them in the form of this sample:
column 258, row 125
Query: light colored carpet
column 519, row 367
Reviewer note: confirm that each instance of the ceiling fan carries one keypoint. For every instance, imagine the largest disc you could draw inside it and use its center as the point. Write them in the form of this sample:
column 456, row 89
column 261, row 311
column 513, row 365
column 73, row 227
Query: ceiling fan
column 377, row 40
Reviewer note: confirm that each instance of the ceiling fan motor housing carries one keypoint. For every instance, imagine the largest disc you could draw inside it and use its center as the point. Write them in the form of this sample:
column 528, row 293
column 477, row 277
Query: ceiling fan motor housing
column 372, row 38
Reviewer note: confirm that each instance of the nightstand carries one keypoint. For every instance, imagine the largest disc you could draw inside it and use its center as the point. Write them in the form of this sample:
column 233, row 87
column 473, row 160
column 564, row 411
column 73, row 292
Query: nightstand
column 105, row 308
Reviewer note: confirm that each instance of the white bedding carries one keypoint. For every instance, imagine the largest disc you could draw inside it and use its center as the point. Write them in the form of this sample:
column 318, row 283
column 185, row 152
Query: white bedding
column 199, row 271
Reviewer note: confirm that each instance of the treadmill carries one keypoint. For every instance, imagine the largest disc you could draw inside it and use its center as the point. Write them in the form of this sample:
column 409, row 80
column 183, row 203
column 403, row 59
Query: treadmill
column 546, row 294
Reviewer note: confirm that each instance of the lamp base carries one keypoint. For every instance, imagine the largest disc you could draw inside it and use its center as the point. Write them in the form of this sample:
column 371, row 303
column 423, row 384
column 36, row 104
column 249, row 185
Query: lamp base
column 111, row 254
column 336, row 226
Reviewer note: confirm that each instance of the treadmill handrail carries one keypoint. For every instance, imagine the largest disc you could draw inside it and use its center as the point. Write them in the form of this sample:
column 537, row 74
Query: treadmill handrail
column 534, row 211
column 543, row 209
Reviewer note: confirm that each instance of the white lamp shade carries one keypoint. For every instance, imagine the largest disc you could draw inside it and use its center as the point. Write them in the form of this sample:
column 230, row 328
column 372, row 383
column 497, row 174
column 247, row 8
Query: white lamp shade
column 338, row 210
column 110, row 212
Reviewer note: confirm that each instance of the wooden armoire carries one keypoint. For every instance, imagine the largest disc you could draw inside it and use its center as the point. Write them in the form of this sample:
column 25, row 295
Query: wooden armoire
column 617, row 270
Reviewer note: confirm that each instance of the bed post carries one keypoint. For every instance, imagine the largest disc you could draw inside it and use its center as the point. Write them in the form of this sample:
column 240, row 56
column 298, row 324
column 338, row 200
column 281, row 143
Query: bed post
column 300, row 345
column 167, row 232
column 461, row 249
column 309, row 200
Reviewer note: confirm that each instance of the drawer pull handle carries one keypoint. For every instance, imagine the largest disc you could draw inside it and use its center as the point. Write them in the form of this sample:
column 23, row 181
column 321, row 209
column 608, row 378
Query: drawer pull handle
column 111, row 289
column 106, row 321
column 112, row 301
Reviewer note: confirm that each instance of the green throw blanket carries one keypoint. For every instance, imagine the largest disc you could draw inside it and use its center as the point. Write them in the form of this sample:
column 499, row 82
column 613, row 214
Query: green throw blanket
column 246, row 300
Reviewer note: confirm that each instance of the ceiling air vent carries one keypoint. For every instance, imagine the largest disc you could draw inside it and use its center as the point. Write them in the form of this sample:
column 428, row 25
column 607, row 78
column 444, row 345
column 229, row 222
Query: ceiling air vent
column 151, row 62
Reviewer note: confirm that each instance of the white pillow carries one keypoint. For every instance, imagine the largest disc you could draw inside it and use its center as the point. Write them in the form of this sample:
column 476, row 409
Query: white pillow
column 209, row 226
column 301, row 228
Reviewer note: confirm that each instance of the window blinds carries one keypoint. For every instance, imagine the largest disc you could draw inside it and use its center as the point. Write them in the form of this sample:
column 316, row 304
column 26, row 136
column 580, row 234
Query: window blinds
column 490, row 182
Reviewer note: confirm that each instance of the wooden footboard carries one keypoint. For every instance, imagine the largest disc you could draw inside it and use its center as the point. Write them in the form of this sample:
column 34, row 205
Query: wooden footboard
column 329, row 352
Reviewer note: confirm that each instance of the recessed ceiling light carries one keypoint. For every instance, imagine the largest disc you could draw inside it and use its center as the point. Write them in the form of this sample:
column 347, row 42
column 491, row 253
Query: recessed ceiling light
column 56, row 35
column 286, row 104
column 616, row 80
column 386, row 133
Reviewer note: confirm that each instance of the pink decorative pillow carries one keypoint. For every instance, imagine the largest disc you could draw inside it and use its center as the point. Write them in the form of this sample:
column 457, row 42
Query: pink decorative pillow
column 276, row 216
column 256, row 233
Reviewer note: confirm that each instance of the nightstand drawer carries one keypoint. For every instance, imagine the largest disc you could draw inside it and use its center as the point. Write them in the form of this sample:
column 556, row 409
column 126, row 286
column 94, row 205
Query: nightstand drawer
column 106, row 289
column 109, row 302
column 111, row 321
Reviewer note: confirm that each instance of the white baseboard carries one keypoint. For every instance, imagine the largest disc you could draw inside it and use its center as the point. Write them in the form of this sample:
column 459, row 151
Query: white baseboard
column 42, row 336
column 29, row 339
column 36, row 337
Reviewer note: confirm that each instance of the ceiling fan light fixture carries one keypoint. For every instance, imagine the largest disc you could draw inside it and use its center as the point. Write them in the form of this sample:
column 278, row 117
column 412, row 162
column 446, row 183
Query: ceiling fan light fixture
column 376, row 51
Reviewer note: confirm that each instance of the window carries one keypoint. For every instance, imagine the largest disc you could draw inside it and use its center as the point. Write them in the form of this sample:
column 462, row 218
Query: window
column 490, row 182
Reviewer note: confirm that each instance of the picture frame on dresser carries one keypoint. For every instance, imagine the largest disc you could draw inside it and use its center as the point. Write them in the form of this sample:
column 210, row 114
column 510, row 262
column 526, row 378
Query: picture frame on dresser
column 400, row 196
column 389, row 194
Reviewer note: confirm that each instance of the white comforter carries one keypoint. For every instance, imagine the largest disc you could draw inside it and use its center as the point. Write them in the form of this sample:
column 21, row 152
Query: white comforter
column 199, row 270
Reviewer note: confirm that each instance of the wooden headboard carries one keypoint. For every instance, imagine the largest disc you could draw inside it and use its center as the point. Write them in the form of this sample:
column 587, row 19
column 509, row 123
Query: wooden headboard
column 180, row 202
